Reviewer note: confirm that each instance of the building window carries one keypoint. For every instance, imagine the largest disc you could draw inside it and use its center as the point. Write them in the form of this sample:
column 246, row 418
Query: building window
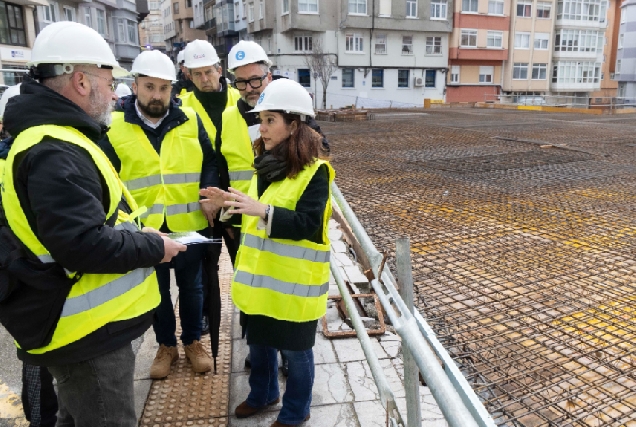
column 303, row 43
column 495, row 39
column 544, row 10
column 407, row 45
column 354, row 43
column 411, row 8
column 582, row 10
column 377, row 77
column 48, row 13
column 12, row 25
column 385, row 8
column 308, row 6
column 539, row 71
column 520, row 71
column 495, row 7
column 250, row 12
column 486, row 74
column 454, row 77
column 578, row 72
column 429, row 78
column 261, row 10
column 570, row 40
column 620, row 41
column 524, row 9
column 358, row 7
column 439, row 9
column 285, row 6
column 175, row 8
column 468, row 38
column 348, row 77
column 88, row 19
column 132, row 32
column 188, row 4
column 541, row 41
column 69, row 13
column 522, row 40
column 403, row 78
column 470, row 5
column 433, row 45
column 304, row 78
column 101, row 21
column 380, row 44
column 121, row 30
column 618, row 66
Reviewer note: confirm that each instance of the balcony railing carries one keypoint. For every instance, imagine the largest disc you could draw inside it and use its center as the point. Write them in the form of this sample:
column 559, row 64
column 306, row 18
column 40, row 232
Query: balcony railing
column 210, row 24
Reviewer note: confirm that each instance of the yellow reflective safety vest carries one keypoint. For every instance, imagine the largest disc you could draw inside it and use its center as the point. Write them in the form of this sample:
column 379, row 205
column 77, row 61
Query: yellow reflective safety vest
column 166, row 183
column 188, row 99
column 95, row 299
column 282, row 278
column 236, row 147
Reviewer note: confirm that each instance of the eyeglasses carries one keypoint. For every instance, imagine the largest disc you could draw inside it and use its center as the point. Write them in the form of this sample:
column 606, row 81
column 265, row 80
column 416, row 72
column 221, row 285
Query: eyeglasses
column 113, row 84
column 255, row 83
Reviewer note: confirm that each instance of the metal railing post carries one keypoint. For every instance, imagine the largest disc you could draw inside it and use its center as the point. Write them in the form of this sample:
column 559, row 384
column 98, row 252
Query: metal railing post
column 411, row 373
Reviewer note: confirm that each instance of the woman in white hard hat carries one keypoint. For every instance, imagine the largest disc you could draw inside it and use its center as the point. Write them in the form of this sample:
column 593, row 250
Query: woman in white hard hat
column 281, row 274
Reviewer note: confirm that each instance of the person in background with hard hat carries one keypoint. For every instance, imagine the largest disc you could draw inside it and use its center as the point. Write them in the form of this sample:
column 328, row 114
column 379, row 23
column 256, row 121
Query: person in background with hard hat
column 210, row 96
column 77, row 282
column 122, row 90
column 183, row 83
column 285, row 213
column 163, row 155
column 39, row 401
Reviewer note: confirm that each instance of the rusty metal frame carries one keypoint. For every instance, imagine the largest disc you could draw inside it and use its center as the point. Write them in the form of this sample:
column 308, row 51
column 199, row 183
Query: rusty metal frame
column 342, row 310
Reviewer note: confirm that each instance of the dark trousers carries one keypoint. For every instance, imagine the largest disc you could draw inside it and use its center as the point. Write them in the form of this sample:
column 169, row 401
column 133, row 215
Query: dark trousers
column 39, row 400
column 211, row 262
column 98, row 392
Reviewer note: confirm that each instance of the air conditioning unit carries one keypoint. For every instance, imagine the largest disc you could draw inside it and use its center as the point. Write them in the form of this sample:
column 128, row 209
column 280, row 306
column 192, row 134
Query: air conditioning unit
column 418, row 81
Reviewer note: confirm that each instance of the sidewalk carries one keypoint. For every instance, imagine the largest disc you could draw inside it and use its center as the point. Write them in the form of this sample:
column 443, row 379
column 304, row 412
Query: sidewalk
column 344, row 393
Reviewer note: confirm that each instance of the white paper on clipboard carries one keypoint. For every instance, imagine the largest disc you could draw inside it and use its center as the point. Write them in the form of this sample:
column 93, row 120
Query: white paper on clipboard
column 191, row 238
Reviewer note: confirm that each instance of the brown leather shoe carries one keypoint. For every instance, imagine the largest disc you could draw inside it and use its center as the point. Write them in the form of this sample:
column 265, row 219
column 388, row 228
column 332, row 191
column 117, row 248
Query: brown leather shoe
column 279, row 424
column 244, row 410
column 165, row 357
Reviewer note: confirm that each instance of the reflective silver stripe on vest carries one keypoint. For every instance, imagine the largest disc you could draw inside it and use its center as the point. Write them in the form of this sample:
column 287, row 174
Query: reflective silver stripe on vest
column 146, row 181
column 182, row 178
column 46, row 258
column 183, row 208
column 106, row 292
column 287, row 288
column 128, row 226
column 291, row 251
column 154, row 209
column 241, row 175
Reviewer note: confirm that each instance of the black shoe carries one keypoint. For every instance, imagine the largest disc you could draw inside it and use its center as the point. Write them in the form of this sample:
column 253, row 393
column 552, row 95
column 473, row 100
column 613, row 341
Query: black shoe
column 205, row 326
column 285, row 366
column 248, row 364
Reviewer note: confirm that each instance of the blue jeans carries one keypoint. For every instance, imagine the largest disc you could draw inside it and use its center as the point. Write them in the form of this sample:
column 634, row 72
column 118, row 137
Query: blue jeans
column 98, row 392
column 187, row 271
column 264, row 381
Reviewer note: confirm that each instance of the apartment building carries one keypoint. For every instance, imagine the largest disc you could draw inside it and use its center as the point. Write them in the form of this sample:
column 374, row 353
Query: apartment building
column 17, row 34
column 179, row 28
column 625, row 71
column 608, row 84
column 526, row 72
column 151, row 28
column 479, row 49
column 230, row 18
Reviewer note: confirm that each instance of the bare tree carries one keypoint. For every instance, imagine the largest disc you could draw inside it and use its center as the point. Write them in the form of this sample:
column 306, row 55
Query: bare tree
column 322, row 66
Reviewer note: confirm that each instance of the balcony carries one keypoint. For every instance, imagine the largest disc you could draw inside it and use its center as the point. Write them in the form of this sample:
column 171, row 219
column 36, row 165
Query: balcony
column 221, row 49
column 210, row 24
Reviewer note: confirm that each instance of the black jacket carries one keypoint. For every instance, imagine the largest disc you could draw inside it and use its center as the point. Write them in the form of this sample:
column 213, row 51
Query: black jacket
column 175, row 118
column 181, row 83
column 64, row 198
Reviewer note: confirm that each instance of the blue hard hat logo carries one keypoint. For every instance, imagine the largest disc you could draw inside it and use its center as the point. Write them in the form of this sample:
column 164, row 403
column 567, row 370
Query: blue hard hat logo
column 240, row 55
column 260, row 98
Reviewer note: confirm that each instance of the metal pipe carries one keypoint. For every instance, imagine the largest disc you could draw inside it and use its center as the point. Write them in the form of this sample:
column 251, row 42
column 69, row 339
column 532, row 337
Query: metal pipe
column 386, row 395
column 411, row 373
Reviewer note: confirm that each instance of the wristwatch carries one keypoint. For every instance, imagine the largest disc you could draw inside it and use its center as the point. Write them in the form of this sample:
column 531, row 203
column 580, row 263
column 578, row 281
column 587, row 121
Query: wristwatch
column 267, row 209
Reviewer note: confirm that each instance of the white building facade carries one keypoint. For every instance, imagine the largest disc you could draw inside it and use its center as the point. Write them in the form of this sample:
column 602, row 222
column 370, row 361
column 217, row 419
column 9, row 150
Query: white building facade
column 626, row 54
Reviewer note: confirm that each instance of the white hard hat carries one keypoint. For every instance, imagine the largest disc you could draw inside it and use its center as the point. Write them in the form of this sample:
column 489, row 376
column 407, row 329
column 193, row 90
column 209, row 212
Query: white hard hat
column 244, row 53
column 180, row 57
column 286, row 95
column 152, row 63
column 200, row 53
column 66, row 43
column 122, row 90
column 9, row 93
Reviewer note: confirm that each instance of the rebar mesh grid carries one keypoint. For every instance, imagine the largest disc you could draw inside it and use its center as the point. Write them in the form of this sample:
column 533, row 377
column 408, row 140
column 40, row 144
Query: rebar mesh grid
column 523, row 240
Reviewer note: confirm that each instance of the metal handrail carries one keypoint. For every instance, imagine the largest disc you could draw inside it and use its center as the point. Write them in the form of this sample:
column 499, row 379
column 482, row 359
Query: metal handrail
column 456, row 399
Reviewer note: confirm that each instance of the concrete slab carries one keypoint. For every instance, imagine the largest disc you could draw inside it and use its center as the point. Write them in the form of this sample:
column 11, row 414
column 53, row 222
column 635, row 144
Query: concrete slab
column 323, row 350
column 362, row 383
column 335, row 234
column 355, row 275
column 339, row 246
column 350, row 350
column 330, row 385
column 342, row 415
column 343, row 260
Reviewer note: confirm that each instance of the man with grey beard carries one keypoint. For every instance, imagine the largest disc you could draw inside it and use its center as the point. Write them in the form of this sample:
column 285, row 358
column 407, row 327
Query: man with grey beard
column 77, row 283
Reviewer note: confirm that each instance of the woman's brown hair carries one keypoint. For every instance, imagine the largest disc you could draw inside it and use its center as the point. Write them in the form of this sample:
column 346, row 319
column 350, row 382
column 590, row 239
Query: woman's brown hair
column 300, row 149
